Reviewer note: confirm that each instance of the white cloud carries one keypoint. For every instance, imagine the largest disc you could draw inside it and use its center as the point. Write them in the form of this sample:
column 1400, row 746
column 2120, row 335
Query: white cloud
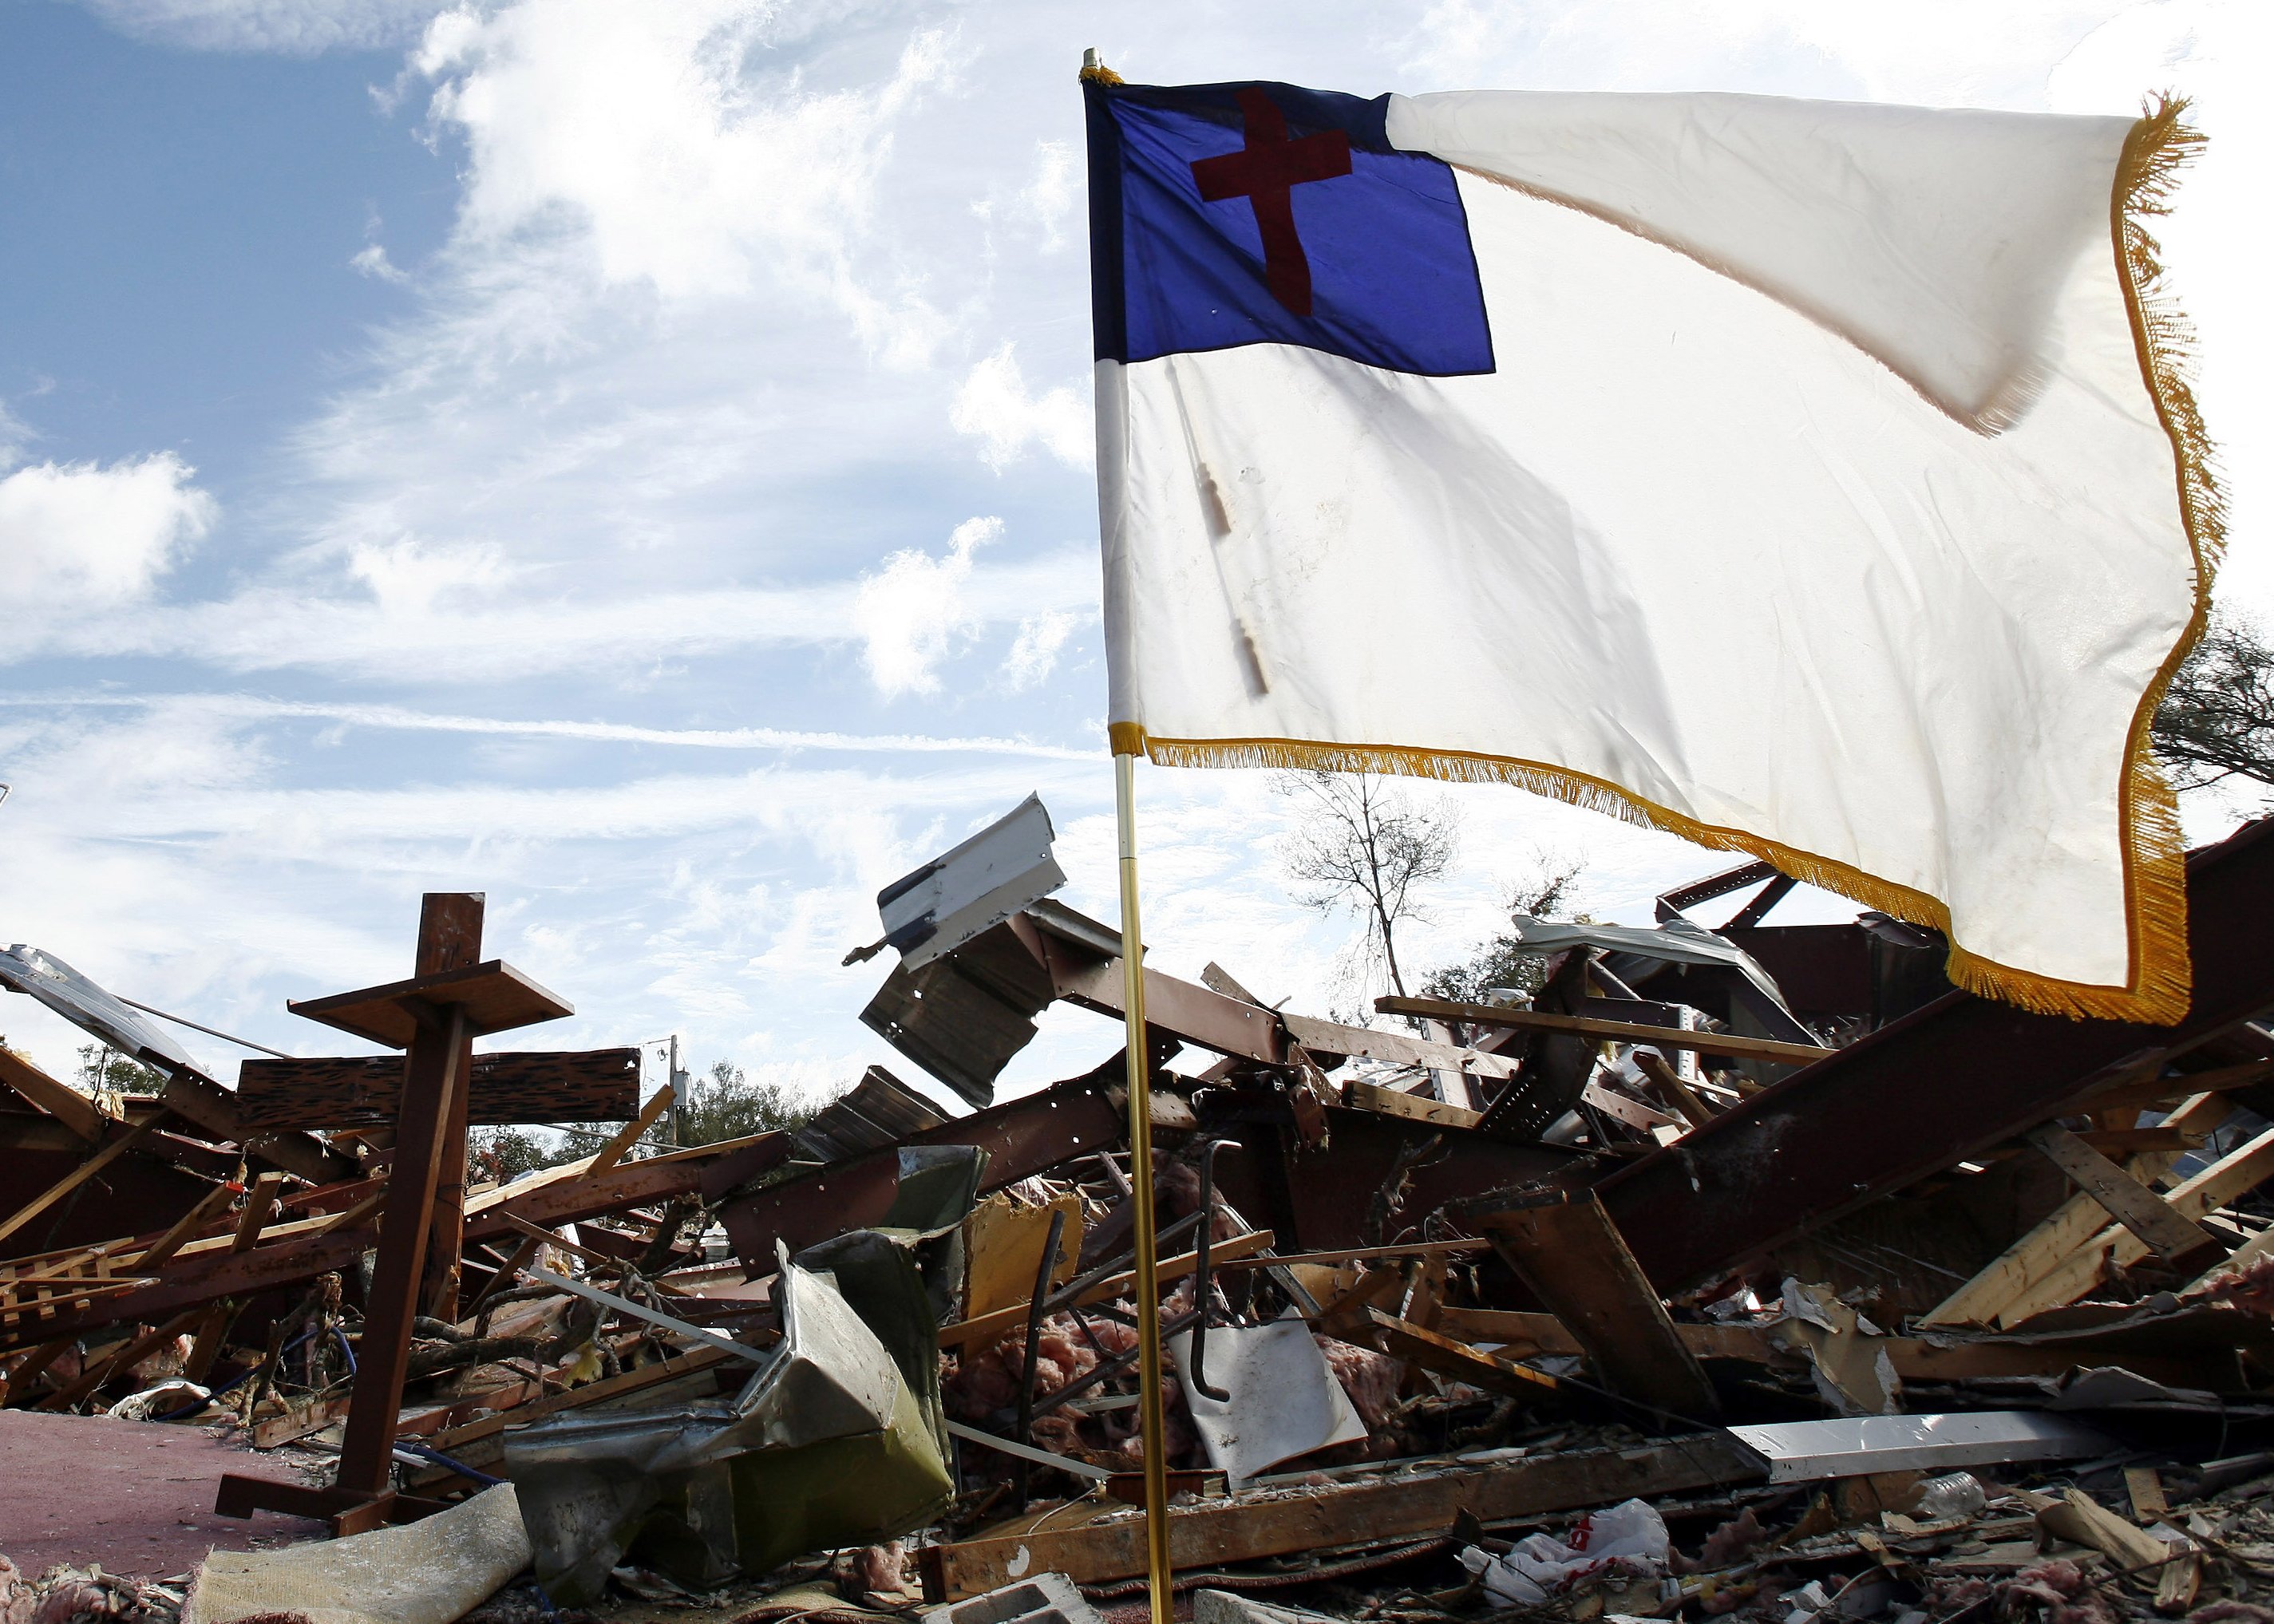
column 1045, row 200
column 995, row 405
column 293, row 27
column 372, row 261
column 1942, row 52
column 248, row 707
column 407, row 577
column 1035, row 651
column 78, row 536
column 911, row 610
column 653, row 135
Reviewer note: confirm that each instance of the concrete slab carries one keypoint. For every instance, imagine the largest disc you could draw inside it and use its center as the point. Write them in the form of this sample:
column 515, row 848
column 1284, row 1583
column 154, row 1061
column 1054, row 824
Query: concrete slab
column 136, row 1496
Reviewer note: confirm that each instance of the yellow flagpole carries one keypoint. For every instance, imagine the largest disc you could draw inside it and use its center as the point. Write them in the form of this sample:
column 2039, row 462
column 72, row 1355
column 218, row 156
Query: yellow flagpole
column 1150, row 1420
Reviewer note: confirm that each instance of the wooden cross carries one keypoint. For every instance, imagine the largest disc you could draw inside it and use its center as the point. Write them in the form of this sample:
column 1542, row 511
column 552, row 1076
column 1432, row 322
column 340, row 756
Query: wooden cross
column 453, row 998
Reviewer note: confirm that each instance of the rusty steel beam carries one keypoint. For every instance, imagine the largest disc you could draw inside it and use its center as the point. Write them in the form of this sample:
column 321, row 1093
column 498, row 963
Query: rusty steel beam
column 1946, row 1082
column 1021, row 1139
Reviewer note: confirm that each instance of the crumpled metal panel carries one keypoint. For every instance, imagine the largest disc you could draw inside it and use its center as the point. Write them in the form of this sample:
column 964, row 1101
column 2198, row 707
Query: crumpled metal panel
column 705, row 1489
column 972, row 886
column 25, row 969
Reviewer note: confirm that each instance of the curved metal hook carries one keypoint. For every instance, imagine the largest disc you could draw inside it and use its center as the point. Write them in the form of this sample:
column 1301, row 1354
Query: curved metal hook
column 1203, row 1288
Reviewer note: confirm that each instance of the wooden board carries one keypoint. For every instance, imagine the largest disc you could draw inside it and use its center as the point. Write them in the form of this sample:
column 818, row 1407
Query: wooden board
column 1003, row 1252
column 495, row 996
column 2084, row 1268
column 1401, row 1339
column 1617, row 1031
column 1213, row 1533
column 66, row 1105
column 2131, row 1203
column 600, row 1085
column 1412, row 1107
column 1573, row 1256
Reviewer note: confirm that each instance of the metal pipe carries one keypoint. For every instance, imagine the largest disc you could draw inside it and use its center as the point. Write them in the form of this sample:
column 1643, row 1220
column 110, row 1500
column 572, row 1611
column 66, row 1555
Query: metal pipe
column 209, row 1031
column 1152, row 1424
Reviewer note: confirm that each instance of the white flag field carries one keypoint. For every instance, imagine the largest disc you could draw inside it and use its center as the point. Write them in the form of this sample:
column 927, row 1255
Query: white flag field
column 1812, row 480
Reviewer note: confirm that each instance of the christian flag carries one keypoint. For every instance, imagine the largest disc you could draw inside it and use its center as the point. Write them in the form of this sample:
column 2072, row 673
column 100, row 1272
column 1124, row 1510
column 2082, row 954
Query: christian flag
column 1810, row 479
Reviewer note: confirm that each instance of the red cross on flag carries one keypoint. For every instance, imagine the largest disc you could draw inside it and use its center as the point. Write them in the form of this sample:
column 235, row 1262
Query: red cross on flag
column 1810, row 479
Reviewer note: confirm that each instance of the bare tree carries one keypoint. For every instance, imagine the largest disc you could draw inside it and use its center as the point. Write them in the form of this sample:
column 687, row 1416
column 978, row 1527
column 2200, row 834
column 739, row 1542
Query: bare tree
column 2217, row 722
column 1362, row 847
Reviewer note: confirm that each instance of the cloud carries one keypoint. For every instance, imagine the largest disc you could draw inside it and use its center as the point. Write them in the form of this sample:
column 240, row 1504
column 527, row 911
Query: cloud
column 372, row 261
column 292, row 27
column 1939, row 52
column 78, row 536
column 1035, row 652
column 994, row 404
column 433, row 615
column 248, row 707
column 910, row 611
column 654, row 136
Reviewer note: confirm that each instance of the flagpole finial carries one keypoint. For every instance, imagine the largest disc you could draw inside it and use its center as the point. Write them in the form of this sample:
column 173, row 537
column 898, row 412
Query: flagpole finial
column 1093, row 68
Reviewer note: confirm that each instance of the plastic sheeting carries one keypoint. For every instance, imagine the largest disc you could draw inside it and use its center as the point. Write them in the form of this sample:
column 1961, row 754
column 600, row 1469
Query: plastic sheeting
column 429, row 1572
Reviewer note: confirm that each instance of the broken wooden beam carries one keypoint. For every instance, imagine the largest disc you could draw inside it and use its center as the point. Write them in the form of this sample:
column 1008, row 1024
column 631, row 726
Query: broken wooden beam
column 1567, row 1250
column 599, row 1085
column 1729, row 1043
column 1213, row 1533
column 2161, row 1227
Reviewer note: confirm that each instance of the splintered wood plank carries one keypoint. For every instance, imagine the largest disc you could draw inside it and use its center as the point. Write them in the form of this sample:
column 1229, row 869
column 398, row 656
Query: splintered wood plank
column 1238, row 1528
column 66, row 1105
column 2132, row 1204
column 1003, row 1250
column 599, row 1085
column 2116, row 1247
column 1401, row 1339
column 617, row 1148
column 1568, row 1250
column 1413, row 1107
column 2018, row 1271
column 1617, row 1031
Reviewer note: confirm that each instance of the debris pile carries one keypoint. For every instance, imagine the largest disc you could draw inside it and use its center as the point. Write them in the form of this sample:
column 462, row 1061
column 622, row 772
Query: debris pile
column 1743, row 1270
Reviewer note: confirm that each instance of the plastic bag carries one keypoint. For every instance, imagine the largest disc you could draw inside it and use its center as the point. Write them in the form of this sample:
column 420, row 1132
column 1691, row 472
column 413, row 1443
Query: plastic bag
column 1631, row 1537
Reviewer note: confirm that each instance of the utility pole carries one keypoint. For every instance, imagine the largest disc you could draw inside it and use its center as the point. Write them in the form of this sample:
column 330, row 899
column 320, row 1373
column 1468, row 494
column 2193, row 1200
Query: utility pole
column 678, row 1089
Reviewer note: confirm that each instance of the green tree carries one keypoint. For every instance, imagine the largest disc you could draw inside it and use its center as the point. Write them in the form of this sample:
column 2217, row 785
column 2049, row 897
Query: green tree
column 724, row 1104
column 102, row 1068
column 2216, row 720
column 1504, row 961
column 502, row 1154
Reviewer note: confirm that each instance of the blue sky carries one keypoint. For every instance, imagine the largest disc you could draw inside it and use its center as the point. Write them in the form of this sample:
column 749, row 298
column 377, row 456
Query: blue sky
column 633, row 460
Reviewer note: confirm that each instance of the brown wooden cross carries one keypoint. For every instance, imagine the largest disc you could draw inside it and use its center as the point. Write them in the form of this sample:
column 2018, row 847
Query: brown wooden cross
column 453, row 998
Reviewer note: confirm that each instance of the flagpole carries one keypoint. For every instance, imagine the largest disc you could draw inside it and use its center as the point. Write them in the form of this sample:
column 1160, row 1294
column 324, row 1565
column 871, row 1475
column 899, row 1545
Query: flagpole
column 1151, row 1422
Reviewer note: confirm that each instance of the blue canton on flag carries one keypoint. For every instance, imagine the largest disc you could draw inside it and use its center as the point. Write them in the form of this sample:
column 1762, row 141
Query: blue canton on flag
column 1266, row 213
